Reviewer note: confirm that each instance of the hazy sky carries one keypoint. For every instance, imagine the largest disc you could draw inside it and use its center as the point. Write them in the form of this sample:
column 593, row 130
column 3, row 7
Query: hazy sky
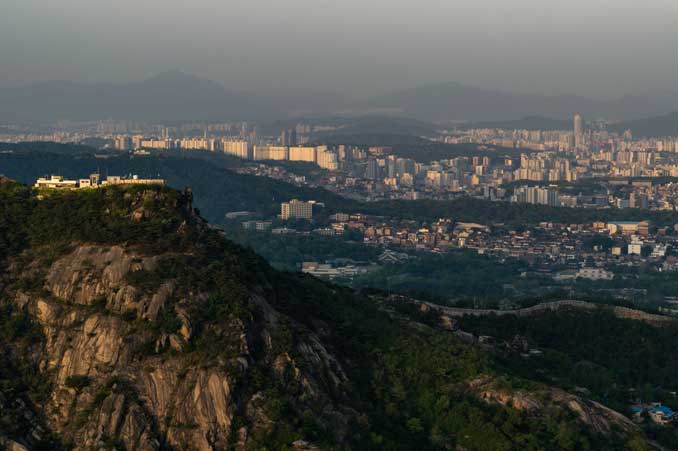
column 589, row 47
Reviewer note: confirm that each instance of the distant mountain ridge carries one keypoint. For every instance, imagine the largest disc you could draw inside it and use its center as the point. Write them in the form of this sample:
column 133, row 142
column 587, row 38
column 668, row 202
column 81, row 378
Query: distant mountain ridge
column 176, row 96
column 658, row 126
column 525, row 123
column 388, row 125
column 168, row 96
column 455, row 101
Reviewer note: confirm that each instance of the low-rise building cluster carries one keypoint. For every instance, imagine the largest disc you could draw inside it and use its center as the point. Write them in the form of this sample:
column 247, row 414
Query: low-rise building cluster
column 93, row 181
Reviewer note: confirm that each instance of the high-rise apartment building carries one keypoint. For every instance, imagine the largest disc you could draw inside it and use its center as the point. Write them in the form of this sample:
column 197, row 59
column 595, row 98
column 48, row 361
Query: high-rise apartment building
column 536, row 195
column 123, row 142
column 270, row 153
column 136, row 141
column 372, row 170
column 303, row 154
column 158, row 144
column 195, row 144
column 237, row 148
column 327, row 159
column 296, row 209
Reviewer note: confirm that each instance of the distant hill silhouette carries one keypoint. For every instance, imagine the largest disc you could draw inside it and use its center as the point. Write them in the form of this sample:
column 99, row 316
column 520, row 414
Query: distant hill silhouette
column 666, row 125
column 454, row 101
column 167, row 96
column 526, row 123
column 355, row 125
column 386, row 125
column 176, row 96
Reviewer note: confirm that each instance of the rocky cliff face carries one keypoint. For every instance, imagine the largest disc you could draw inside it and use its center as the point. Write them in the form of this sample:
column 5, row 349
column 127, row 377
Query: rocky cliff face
column 149, row 347
column 600, row 418
column 118, row 379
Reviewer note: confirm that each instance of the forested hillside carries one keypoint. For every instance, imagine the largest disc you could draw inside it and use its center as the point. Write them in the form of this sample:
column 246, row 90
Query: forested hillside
column 129, row 323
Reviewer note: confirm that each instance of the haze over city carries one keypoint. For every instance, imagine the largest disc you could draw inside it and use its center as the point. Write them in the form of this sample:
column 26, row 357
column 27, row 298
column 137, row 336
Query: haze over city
column 600, row 49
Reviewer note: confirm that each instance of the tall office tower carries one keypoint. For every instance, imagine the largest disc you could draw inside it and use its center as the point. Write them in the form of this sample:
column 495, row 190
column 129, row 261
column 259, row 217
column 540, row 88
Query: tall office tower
column 578, row 131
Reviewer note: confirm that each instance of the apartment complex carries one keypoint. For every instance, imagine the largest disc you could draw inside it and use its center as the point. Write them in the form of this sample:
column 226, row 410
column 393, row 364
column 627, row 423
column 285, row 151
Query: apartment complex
column 236, row 148
column 296, row 209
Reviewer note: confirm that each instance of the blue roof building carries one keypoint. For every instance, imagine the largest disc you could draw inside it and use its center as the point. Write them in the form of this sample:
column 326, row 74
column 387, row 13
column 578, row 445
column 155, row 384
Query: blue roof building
column 662, row 414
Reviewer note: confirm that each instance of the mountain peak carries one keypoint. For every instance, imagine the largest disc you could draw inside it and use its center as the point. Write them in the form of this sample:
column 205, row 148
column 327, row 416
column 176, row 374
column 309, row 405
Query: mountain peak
column 176, row 78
